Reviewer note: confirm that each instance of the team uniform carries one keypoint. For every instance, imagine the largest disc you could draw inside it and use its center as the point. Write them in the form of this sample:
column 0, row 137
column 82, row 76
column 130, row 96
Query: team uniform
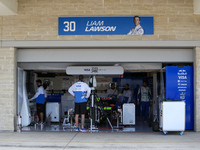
column 144, row 95
column 40, row 97
column 138, row 30
column 81, row 91
column 112, row 92
column 127, row 96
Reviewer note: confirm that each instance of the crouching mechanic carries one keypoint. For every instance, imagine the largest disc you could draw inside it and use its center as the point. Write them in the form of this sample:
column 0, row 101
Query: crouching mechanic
column 81, row 91
column 40, row 97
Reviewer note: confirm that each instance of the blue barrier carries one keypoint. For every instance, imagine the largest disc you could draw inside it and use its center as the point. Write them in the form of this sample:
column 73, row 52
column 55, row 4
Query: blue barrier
column 55, row 97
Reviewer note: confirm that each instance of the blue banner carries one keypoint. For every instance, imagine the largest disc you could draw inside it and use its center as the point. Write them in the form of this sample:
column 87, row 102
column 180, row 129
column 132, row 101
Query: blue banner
column 179, row 85
column 106, row 25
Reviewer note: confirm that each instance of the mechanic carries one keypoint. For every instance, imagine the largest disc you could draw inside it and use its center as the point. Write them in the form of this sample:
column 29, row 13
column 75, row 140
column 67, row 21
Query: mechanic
column 81, row 91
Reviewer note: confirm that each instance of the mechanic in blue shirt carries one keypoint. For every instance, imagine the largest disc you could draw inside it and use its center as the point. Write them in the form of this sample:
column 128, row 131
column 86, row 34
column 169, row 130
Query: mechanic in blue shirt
column 81, row 91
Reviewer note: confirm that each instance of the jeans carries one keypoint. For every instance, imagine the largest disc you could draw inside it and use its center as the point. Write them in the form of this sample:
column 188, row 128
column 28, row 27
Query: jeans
column 145, row 110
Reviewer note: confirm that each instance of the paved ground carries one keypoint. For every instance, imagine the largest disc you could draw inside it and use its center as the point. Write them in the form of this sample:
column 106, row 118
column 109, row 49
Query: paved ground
column 103, row 141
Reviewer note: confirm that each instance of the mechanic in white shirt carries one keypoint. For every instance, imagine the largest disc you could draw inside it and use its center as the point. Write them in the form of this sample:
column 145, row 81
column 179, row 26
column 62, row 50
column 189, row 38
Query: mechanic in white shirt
column 144, row 96
column 113, row 91
column 137, row 30
column 40, row 97
column 81, row 92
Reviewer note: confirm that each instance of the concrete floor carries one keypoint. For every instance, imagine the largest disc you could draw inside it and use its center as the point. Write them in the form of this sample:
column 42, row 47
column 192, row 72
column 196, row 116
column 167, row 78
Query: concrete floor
column 78, row 140
column 103, row 127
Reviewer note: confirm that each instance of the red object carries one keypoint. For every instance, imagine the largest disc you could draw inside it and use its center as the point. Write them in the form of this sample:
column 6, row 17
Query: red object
column 112, row 105
column 106, row 98
column 35, row 117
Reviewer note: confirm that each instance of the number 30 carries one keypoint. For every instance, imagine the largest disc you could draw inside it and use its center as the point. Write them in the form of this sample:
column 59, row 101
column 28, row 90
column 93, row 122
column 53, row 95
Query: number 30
column 70, row 26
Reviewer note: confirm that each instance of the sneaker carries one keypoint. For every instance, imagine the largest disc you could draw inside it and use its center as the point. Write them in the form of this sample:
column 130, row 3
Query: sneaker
column 41, row 123
column 84, row 130
column 77, row 129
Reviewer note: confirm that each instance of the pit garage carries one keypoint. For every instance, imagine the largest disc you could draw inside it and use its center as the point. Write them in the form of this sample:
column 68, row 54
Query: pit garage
column 138, row 65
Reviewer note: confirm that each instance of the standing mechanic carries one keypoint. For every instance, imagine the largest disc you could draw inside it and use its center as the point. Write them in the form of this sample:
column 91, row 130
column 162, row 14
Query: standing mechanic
column 144, row 95
column 127, row 94
column 81, row 91
column 40, row 97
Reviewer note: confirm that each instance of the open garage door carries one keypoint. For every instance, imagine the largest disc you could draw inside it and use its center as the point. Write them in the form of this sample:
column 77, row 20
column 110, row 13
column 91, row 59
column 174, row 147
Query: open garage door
column 105, row 55
column 139, row 64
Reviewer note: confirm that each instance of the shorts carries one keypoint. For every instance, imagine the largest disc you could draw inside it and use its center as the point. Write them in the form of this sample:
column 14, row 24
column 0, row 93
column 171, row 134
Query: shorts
column 80, row 108
column 40, row 108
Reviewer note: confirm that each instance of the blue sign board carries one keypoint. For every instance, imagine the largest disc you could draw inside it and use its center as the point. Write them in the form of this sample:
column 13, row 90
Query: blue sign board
column 104, row 25
column 179, row 85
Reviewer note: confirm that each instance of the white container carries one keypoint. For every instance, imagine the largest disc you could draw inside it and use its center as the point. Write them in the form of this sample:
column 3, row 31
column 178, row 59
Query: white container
column 129, row 114
column 67, row 102
column 172, row 116
column 53, row 108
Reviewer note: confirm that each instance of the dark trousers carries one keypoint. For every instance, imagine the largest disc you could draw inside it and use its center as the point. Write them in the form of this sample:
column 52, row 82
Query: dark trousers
column 145, row 110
